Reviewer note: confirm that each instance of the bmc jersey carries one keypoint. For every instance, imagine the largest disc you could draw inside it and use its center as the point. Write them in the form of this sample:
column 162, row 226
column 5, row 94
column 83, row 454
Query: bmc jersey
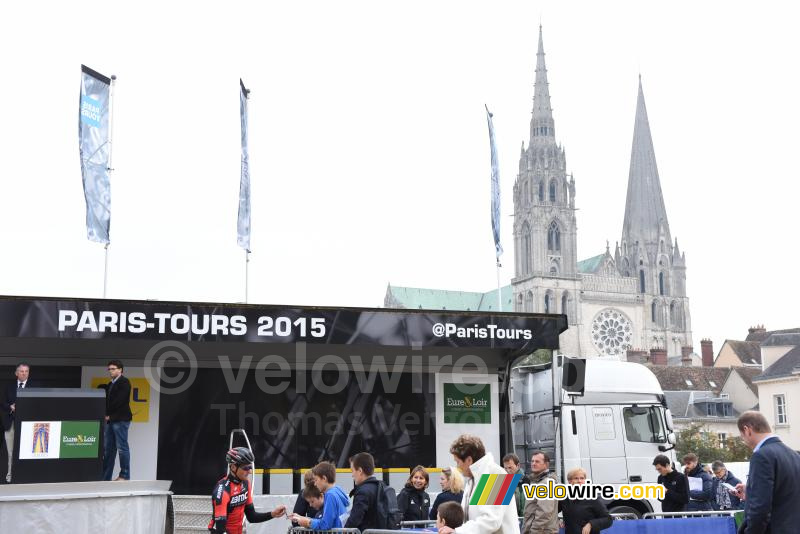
column 229, row 499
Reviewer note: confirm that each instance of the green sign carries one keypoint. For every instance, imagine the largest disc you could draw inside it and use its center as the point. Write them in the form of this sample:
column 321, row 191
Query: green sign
column 80, row 439
column 468, row 403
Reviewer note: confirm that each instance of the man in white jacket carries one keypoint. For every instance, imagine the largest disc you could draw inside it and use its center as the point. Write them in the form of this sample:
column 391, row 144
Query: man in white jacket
column 473, row 461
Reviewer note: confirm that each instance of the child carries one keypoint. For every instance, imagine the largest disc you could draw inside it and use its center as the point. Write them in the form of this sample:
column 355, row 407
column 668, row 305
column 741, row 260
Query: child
column 450, row 515
column 334, row 501
column 315, row 499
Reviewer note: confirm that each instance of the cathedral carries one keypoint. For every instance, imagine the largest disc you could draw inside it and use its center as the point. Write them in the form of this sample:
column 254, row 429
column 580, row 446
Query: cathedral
column 631, row 299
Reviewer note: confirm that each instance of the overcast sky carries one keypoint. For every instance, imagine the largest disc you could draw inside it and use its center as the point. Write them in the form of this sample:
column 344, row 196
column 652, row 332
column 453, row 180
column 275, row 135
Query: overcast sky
column 369, row 150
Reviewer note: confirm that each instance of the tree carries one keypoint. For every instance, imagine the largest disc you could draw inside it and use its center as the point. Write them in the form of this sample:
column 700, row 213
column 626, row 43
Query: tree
column 698, row 439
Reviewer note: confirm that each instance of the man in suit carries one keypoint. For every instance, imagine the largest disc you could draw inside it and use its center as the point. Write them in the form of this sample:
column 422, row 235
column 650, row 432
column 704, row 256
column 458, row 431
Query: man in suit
column 118, row 421
column 773, row 485
column 9, row 406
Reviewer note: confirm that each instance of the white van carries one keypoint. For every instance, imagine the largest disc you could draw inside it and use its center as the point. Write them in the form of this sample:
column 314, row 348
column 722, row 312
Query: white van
column 613, row 429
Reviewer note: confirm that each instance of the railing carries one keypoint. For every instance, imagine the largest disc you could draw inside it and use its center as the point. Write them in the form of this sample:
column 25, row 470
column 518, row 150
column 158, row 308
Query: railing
column 625, row 516
column 702, row 513
column 418, row 524
column 297, row 530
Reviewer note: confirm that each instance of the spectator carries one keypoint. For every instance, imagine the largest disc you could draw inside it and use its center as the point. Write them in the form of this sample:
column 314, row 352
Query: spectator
column 315, row 500
column 699, row 499
column 414, row 502
column 724, row 498
column 363, row 514
column 452, row 489
column 773, row 483
column 677, row 495
column 583, row 516
column 450, row 515
column 335, row 502
column 118, row 422
column 301, row 506
column 512, row 467
column 473, row 461
column 9, row 406
column 541, row 515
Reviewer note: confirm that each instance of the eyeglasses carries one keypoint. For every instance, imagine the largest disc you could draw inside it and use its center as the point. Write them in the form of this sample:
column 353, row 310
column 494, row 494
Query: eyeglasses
column 113, row 368
column 245, row 467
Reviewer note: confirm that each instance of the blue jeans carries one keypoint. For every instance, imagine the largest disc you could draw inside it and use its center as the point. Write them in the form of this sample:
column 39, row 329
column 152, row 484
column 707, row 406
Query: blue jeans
column 116, row 439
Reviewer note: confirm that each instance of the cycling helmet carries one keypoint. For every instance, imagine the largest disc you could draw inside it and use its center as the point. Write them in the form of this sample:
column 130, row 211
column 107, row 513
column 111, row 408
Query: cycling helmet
column 239, row 456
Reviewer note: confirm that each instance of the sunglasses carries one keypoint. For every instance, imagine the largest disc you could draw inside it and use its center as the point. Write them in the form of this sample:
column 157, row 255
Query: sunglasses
column 245, row 467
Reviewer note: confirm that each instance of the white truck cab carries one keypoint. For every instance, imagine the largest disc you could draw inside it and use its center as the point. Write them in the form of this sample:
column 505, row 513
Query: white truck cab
column 613, row 429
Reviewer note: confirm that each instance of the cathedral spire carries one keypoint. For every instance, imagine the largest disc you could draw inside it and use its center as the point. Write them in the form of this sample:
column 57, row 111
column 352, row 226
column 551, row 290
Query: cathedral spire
column 645, row 215
column 542, row 125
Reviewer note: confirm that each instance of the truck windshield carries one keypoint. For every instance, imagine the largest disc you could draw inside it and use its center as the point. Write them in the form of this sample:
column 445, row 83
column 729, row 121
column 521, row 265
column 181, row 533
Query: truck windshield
column 644, row 424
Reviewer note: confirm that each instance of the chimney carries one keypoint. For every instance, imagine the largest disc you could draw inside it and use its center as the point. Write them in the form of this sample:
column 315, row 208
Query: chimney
column 637, row 355
column 758, row 329
column 658, row 356
column 707, row 349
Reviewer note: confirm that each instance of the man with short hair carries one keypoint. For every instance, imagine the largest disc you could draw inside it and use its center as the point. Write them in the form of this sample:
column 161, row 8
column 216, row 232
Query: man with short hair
column 363, row 514
column 677, row 495
column 773, row 484
column 541, row 515
column 118, row 422
column 9, row 407
column 699, row 500
column 473, row 461
column 511, row 465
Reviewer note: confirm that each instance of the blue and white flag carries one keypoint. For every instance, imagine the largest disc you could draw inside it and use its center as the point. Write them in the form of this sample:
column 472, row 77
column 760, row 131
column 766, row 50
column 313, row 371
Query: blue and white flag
column 495, row 188
column 243, row 225
column 95, row 149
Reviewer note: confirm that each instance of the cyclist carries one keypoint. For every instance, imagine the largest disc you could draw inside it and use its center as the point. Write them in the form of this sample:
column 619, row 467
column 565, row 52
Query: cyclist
column 232, row 499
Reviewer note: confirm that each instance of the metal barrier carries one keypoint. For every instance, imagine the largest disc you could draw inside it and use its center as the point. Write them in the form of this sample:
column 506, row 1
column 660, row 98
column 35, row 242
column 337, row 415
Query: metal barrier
column 298, row 530
column 625, row 516
column 702, row 513
column 418, row 524
column 192, row 513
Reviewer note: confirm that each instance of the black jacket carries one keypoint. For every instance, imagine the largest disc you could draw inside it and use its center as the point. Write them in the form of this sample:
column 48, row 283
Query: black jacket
column 677, row 494
column 118, row 398
column 700, row 500
column 772, row 489
column 579, row 512
column 443, row 497
column 364, row 513
column 413, row 503
column 9, row 398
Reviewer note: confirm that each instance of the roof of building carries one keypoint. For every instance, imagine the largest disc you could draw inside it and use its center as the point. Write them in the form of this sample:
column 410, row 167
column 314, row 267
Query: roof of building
column 749, row 352
column 442, row 299
column 591, row 265
column 686, row 404
column 787, row 365
column 782, row 338
column 673, row 378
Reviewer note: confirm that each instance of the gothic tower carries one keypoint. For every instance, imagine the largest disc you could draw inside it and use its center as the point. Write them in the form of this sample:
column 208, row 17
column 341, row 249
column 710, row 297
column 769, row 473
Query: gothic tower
column 545, row 241
column 647, row 252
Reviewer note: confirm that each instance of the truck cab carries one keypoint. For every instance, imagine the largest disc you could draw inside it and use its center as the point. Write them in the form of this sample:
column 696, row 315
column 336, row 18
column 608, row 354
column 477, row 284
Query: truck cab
column 613, row 426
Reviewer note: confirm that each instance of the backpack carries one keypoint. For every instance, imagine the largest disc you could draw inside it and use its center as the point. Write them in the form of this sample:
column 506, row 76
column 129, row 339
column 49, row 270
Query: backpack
column 388, row 514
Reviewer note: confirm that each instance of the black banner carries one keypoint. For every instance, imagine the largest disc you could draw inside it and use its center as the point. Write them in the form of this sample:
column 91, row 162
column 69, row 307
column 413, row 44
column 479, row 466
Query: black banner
column 25, row 317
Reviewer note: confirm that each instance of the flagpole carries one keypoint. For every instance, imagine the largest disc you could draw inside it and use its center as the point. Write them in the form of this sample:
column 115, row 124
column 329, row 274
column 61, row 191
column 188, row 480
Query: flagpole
column 110, row 169
column 246, row 275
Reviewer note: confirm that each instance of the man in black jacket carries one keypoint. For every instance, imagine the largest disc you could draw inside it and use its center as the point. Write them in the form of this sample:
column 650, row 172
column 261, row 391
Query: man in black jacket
column 9, row 406
column 677, row 494
column 118, row 421
column 773, row 485
column 363, row 514
column 700, row 500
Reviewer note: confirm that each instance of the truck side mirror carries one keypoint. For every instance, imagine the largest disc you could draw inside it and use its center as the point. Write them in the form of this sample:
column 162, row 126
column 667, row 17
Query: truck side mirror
column 671, row 438
column 573, row 375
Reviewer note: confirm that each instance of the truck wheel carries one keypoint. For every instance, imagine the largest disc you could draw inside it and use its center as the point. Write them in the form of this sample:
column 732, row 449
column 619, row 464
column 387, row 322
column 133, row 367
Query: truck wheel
column 625, row 510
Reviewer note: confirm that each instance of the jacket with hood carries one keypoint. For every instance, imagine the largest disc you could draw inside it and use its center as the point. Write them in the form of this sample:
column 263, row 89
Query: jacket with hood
column 486, row 519
column 541, row 515
column 333, row 508
column 364, row 513
column 415, row 504
column 700, row 500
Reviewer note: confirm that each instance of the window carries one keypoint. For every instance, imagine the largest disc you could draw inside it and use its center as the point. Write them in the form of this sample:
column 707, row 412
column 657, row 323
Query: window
column 780, row 410
column 541, row 191
column 565, row 305
column 547, row 303
column 553, row 269
column 712, row 383
column 553, row 237
column 529, row 302
column 727, row 409
column 661, row 283
column 526, row 249
column 643, row 424
column 689, row 383
column 641, row 281
column 653, row 310
column 552, row 190
column 722, row 437
column 710, row 411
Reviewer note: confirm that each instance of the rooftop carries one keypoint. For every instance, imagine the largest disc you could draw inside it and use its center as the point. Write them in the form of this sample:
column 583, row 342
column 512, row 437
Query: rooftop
column 442, row 299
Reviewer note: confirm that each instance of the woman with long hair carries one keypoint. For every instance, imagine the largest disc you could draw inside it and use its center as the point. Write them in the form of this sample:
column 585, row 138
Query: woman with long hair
column 413, row 501
column 452, row 482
